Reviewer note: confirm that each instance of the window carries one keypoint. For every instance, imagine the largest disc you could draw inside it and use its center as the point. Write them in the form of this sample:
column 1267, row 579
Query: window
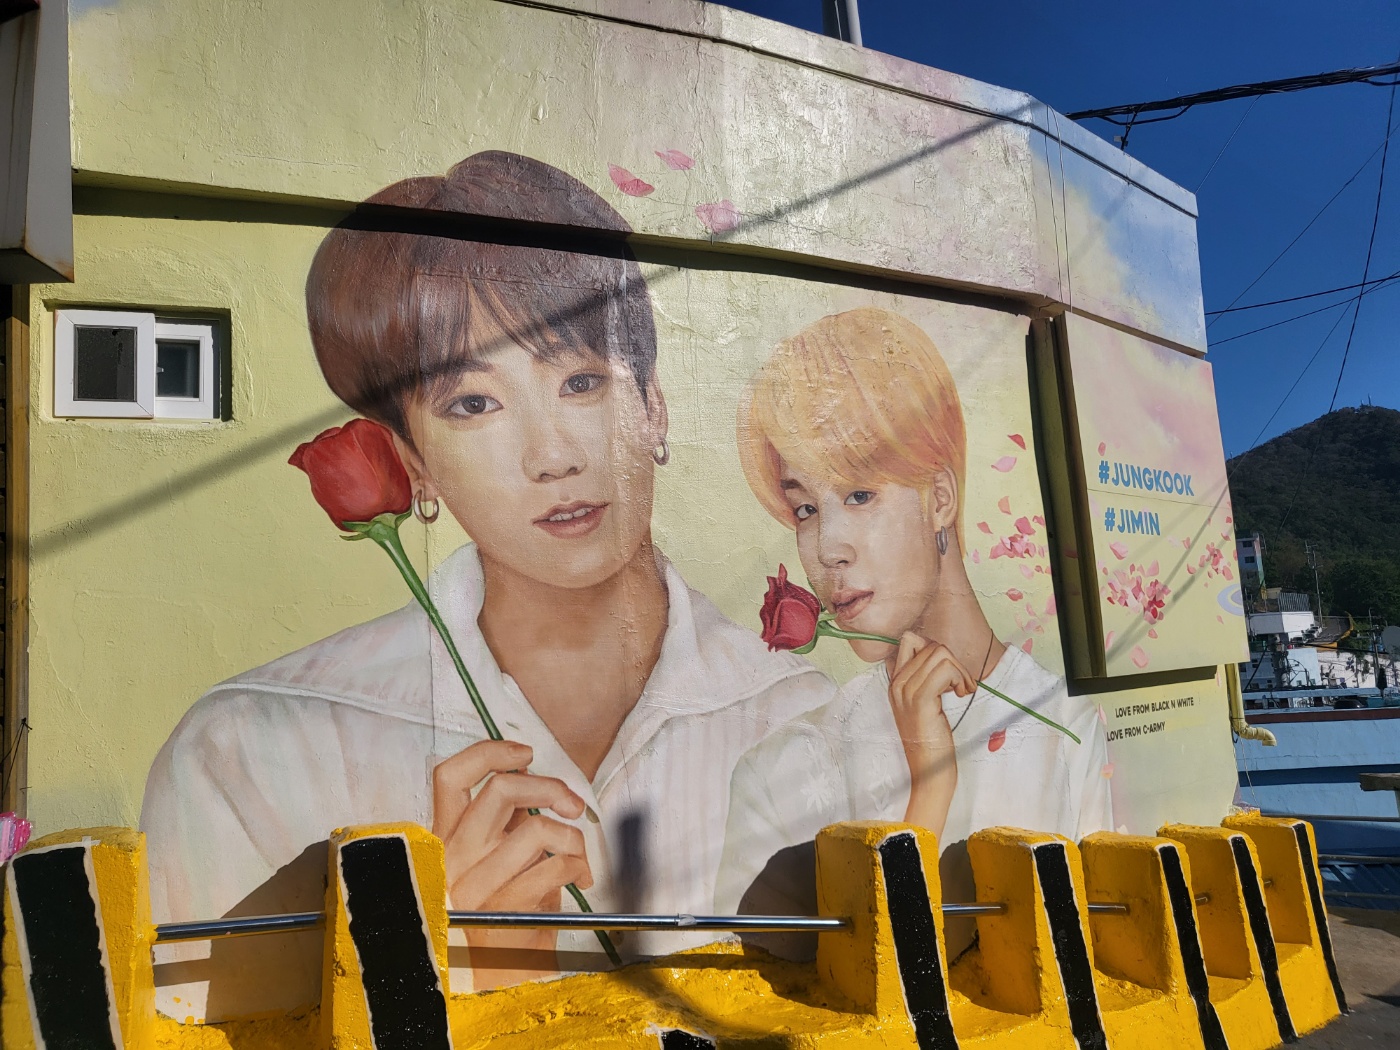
column 127, row 364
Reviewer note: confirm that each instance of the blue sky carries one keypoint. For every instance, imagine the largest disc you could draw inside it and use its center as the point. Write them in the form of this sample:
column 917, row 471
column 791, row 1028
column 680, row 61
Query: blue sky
column 1290, row 155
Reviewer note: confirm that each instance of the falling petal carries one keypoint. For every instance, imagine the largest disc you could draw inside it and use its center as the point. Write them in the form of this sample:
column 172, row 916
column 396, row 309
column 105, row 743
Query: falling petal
column 675, row 159
column 1190, row 570
column 976, row 558
column 1050, row 606
column 1014, row 594
column 1108, row 640
column 1023, row 526
column 1229, row 520
column 1027, row 571
column 995, row 741
column 1139, row 657
column 1004, row 504
column 1217, row 616
column 1004, row 464
column 1027, row 644
column 999, row 551
column 1018, row 439
column 1102, row 448
column 719, row 217
column 628, row 183
column 1186, row 542
column 1030, row 609
column 1040, row 551
column 1152, row 632
column 985, row 527
column 1107, row 771
column 1038, row 520
column 1152, row 569
column 1119, row 549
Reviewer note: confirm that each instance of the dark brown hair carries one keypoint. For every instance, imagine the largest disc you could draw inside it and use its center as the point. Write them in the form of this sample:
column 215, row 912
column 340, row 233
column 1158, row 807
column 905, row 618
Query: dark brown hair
column 396, row 315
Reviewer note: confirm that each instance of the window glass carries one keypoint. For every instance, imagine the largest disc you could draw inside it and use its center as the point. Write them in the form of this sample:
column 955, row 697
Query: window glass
column 104, row 363
column 177, row 368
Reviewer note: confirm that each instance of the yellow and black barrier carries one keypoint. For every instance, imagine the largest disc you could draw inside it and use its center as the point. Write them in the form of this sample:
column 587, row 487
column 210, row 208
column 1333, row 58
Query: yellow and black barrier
column 1200, row 939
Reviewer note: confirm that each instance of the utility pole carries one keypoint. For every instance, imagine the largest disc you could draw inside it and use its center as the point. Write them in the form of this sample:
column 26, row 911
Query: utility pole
column 1312, row 552
column 841, row 19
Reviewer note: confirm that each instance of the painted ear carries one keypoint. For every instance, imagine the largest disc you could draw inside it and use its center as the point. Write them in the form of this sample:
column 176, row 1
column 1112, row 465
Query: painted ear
column 943, row 498
column 657, row 419
column 417, row 472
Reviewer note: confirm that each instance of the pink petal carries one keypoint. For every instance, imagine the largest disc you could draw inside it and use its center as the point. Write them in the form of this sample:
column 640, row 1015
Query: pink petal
column 1102, row 448
column 1004, row 504
column 1190, row 570
column 1050, row 606
column 1018, row 439
column 1152, row 569
column 1139, row 658
column 1030, row 609
column 1038, row 520
column 1108, row 640
column 628, row 183
column 985, row 527
column 1004, row 464
column 1023, row 526
column 976, row 557
column 1152, row 632
column 1186, row 542
column 999, row 551
column 1217, row 616
column 1027, row 644
column 1119, row 549
column 1027, row 572
column 1040, row 551
column 1014, row 594
column 719, row 217
column 675, row 159
column 1107, row 771
column 1229, row 520
column 998, row 738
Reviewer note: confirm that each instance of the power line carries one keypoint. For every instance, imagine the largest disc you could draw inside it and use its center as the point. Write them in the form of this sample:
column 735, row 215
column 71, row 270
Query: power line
column 1307, row 313
column 1366, row 75
column 1223, row 148
column 1300, row 298
column 1330, row 201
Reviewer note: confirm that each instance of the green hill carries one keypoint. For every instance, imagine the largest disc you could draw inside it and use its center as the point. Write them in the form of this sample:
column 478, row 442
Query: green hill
column 1336, row 483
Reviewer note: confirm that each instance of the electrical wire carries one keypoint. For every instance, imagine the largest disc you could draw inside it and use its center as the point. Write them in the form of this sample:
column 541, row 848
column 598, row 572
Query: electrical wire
column 1299, row 317
column 1300, row 298
column 1231, row 139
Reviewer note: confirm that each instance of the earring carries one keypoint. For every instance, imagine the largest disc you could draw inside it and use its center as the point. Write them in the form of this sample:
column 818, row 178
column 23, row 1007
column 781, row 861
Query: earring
column 661, row 453
column 425, row 516
column 942, row 540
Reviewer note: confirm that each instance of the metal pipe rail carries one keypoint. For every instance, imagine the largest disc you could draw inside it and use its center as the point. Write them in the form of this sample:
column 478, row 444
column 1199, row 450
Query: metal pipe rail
column 250, row 925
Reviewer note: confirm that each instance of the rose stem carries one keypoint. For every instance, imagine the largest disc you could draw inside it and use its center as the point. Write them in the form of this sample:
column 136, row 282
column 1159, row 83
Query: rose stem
column 824, row 627
column 387, row 536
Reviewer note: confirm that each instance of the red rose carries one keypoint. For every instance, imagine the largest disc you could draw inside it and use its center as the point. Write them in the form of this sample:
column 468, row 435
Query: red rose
column 355, row 472
column 789, row 614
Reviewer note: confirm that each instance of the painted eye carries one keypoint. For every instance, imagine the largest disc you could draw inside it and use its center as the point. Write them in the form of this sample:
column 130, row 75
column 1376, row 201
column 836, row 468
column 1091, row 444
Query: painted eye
column 474, row 405
column 804, row 512
column 859, row 498
column 583, row 383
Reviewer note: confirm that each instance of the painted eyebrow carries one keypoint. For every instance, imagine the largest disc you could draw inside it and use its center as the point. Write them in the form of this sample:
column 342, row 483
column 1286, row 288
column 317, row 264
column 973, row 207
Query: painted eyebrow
column 789, row 484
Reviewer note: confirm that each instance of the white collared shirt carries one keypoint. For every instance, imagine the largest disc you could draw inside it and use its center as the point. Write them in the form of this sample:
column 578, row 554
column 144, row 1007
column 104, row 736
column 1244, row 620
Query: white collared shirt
column 241, row 798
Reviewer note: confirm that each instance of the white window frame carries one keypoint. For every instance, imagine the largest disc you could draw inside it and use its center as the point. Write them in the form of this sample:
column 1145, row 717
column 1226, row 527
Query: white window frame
column 150, row 331
column 65, row 404
column 201, row 407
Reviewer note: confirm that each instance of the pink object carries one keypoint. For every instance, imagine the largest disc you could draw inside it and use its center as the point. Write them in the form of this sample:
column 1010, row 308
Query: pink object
column 1028, row 572
column 1004, row 504
column 1107, row 771
column 995, row 741
column 1108, row 641
column 675, row 159
column 1004, row 464
column 1018, row 439
column 1050, row 606
column 1027, row 644
column 1139, row 657
column 1152, row 632
column 14, row 833
column 1119, row 549
column 719, row 217
column 1023, row 526
column 985, row 527
column 1103, row 718
column 629, row 183
column 1038, row 520
column 1153, row 569
column 1102, row 448
column 1014, row 594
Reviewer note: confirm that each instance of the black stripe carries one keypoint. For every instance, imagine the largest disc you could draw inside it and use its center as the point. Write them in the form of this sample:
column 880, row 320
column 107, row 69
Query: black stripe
column 916, row 946
column 1258, row 914
column 66, row 975
column 1180, row 898
column 680, row 1039
column 1324, row 933
column 407, row 1007
column 1071, row 952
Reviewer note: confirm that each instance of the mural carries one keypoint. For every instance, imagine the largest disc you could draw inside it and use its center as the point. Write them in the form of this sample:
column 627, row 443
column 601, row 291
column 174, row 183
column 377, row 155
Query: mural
column 558, row 700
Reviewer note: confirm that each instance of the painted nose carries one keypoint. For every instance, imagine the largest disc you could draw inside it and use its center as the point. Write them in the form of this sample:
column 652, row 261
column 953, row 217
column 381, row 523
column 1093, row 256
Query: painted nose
column 552, row 452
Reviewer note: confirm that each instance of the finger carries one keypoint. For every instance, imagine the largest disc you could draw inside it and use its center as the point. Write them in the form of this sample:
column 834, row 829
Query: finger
column 543, row 883
column 921, row 659
column 454, row 778
column 488, row 815
column 909, row 644
column 519, row 850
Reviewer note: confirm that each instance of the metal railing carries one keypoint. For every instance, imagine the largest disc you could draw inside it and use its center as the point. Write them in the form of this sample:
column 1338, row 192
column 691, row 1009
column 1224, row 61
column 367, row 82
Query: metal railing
column 245, row 926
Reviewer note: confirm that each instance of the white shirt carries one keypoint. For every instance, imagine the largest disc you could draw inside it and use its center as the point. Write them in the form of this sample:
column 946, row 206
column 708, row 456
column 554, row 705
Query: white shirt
column 243, row 795
column 853, row 768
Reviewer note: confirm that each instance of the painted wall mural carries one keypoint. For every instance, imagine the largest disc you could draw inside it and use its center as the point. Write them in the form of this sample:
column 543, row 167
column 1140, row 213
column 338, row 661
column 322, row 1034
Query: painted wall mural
column 580, row 724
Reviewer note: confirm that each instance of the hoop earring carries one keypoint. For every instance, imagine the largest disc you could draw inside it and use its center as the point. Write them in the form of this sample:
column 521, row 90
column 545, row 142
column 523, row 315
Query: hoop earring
column 426, row 517
column 941, row 538
column 661, row 453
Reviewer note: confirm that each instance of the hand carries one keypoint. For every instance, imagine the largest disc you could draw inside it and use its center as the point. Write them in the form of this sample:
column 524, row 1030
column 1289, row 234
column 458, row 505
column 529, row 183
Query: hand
column 500, row 857
column 923, row 672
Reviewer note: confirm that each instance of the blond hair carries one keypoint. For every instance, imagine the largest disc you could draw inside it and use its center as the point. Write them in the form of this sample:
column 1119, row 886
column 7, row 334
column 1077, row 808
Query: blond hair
column 863, row 396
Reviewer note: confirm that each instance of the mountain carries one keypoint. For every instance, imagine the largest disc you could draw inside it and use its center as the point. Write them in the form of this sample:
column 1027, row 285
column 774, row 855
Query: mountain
column 1334, row 482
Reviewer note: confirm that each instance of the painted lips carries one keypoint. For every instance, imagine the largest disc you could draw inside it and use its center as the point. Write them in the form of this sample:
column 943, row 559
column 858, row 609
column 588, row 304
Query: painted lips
column 572, row 520
column 847, row 605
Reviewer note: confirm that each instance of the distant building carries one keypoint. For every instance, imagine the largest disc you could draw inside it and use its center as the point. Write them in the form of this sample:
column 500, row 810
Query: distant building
column 1251, row 556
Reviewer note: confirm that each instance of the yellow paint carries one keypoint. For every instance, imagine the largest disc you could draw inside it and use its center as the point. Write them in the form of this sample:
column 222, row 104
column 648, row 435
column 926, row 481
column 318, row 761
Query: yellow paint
column 1006, row 993
column 1137, row 956
column 1232, row 962
column 1301, row 964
